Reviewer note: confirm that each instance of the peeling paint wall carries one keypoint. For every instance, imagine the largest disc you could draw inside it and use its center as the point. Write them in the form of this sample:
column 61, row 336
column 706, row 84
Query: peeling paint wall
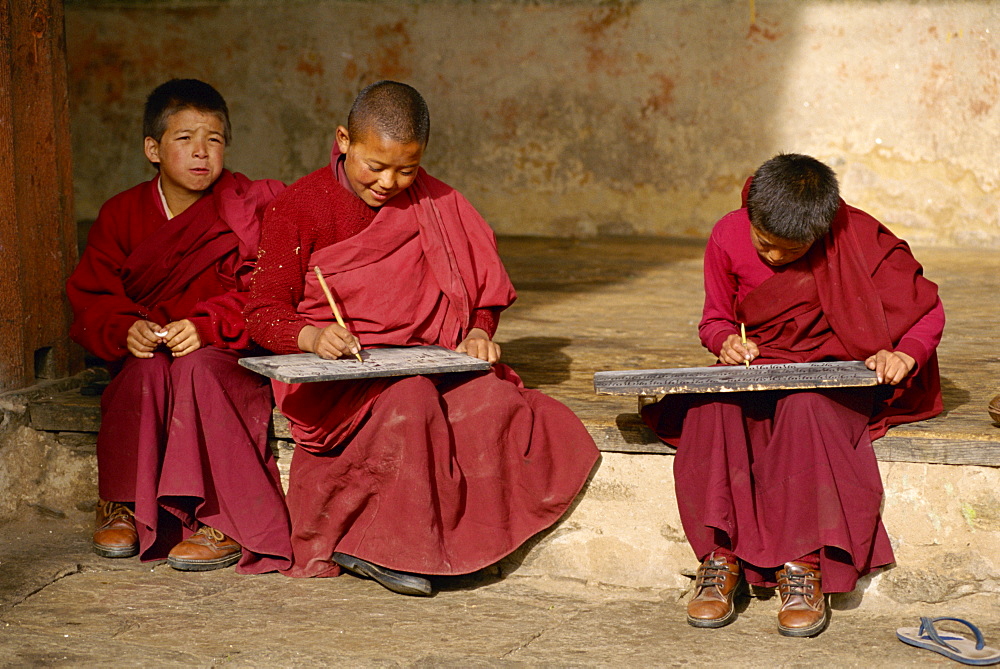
column 579, row 118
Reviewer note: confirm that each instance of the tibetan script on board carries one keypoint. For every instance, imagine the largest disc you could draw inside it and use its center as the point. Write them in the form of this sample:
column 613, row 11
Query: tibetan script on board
column 733, row 378
column 377, row 362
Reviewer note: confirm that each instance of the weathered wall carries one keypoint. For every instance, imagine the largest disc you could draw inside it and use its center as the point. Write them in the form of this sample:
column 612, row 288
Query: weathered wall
column 584, row 117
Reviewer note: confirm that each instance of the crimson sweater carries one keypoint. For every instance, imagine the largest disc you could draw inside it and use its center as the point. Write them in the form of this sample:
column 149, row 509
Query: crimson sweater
column 314, row 212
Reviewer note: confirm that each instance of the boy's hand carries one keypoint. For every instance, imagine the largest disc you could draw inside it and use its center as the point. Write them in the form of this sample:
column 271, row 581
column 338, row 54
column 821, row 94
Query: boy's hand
column 734, row 352
column 182, row 338
column 890, row 366
column 142, row 339
column 330, row 343
column 479, row 345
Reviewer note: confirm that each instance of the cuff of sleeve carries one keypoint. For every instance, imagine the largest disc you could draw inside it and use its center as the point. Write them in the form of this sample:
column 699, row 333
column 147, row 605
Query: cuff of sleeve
column 203, row 325
column 486, row 320
column 717, row 341
column 915, row 350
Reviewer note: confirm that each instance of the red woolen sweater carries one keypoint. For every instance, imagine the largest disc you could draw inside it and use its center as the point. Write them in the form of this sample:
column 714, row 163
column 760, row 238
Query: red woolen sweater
column 314, row 212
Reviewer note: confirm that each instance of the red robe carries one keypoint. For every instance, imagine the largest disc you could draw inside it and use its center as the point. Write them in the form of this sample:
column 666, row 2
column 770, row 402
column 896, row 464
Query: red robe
column 775, row 476
column 426, row 474
column 185, row 439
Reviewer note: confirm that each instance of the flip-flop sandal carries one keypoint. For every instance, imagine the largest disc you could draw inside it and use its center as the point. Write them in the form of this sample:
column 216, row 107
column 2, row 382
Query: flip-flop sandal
column 950, row 644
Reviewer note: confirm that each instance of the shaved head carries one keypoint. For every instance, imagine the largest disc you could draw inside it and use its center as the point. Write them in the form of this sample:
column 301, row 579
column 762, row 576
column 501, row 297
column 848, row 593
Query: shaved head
column 391, row 109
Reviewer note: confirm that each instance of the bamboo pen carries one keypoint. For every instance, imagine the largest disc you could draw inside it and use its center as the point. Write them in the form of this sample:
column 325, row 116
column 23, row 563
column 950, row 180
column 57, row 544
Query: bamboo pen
column 743, row 338
column 333, row 304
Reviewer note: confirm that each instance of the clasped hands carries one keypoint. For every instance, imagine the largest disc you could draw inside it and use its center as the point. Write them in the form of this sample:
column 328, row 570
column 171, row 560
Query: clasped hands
column 181, row 337
column 890, row 367
column 333, row 341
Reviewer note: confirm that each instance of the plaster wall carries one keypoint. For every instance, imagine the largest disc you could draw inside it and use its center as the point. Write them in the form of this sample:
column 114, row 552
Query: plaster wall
column 583, row 117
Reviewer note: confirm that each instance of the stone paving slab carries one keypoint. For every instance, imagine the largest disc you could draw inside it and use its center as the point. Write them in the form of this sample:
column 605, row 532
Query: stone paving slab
column 61, row 605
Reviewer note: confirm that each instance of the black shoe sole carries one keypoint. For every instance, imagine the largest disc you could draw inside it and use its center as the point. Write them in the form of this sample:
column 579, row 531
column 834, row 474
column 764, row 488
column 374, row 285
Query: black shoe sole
column 812, row 630
column 387, row 578
column 712, row 624
column 107, row 552
column 204, row 565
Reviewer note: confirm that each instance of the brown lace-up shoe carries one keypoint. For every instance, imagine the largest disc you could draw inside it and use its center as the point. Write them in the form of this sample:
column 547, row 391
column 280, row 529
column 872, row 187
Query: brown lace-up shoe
column 115, row 536
column 206, row 549
column 803, row 606
column 715, row 589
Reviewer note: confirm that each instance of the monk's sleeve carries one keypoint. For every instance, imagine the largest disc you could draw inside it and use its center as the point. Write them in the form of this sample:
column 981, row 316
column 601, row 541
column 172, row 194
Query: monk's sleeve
column 278, row 283
column 102, row 313
column 719, row 312
column 910, row 300
column 487, row 319
column 219, row 320
column 921, row 340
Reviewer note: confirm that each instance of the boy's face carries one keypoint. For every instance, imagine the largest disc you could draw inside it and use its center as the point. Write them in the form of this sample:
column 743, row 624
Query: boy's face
column 190, row 153
column 378, row 168
column 776, row 251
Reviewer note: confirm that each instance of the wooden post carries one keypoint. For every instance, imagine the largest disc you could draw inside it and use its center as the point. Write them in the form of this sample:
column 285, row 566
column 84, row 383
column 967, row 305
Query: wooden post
column 37, row 227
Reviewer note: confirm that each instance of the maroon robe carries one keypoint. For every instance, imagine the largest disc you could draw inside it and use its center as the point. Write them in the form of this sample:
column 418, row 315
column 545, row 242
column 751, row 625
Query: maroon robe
column 185, row 439
column 774, row 476
column 427, row 474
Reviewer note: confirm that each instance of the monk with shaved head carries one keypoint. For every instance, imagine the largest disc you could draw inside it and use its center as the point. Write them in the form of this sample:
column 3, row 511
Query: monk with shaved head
column 399, row 479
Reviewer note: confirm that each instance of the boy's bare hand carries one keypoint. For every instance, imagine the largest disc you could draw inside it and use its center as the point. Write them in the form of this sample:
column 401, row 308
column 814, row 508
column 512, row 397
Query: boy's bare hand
column 142, row 339
column 890, row 366
column 182, row 338
column 734, row 352
column 479, row 345
column 330, row 343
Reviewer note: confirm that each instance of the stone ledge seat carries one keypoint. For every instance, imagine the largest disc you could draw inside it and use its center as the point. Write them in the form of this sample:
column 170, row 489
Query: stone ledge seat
column 618, row 304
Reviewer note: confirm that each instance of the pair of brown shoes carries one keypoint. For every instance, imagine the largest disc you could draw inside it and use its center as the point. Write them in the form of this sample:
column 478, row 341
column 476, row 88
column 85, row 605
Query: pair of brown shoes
column 803, row 609
column 206, row 549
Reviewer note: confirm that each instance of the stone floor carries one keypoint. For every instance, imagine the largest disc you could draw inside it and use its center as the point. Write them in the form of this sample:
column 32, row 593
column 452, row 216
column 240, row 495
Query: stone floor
column 61, row 605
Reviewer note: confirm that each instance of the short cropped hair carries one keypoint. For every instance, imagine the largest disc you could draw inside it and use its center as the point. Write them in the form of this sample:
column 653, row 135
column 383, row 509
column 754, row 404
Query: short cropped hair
column 793, row 197
column 176, row 95
column 394, row 110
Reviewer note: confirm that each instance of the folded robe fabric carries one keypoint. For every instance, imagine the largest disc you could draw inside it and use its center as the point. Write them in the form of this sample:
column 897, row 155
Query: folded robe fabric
column 428, row 474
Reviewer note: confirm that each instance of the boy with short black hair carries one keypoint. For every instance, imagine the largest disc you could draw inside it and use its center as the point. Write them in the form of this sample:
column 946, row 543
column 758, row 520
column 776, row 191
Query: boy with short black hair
column 184, row 468
column 398, row 479
column 782, row 487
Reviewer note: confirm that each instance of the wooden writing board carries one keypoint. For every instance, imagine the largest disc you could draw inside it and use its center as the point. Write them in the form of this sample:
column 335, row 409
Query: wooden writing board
column 378, row 362
column 733, row 378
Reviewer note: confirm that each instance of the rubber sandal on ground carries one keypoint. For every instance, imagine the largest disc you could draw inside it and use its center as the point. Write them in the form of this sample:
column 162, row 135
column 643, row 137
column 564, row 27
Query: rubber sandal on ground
column 952, row 645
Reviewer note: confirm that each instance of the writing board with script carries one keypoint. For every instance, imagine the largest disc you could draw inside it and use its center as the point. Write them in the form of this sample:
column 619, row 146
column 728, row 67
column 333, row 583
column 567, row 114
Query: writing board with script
column 378, row 362
column 733, row 378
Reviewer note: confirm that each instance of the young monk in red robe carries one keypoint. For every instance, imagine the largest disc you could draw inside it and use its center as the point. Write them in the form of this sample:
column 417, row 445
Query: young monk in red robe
column 782, row 487
column 397, row 479
column 185, row 472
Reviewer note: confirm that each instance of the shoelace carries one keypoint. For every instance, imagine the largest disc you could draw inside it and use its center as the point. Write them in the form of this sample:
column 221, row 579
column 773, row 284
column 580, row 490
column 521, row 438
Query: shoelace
column 712, row 574
column 795, row 584
column 116, row 510
column 211, row 533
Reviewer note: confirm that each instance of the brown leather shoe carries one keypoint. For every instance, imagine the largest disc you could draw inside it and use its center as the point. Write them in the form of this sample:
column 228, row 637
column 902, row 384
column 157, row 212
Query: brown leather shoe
column 803, row 605
column 115, row 536
column 715, row 589
column 206, row 549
